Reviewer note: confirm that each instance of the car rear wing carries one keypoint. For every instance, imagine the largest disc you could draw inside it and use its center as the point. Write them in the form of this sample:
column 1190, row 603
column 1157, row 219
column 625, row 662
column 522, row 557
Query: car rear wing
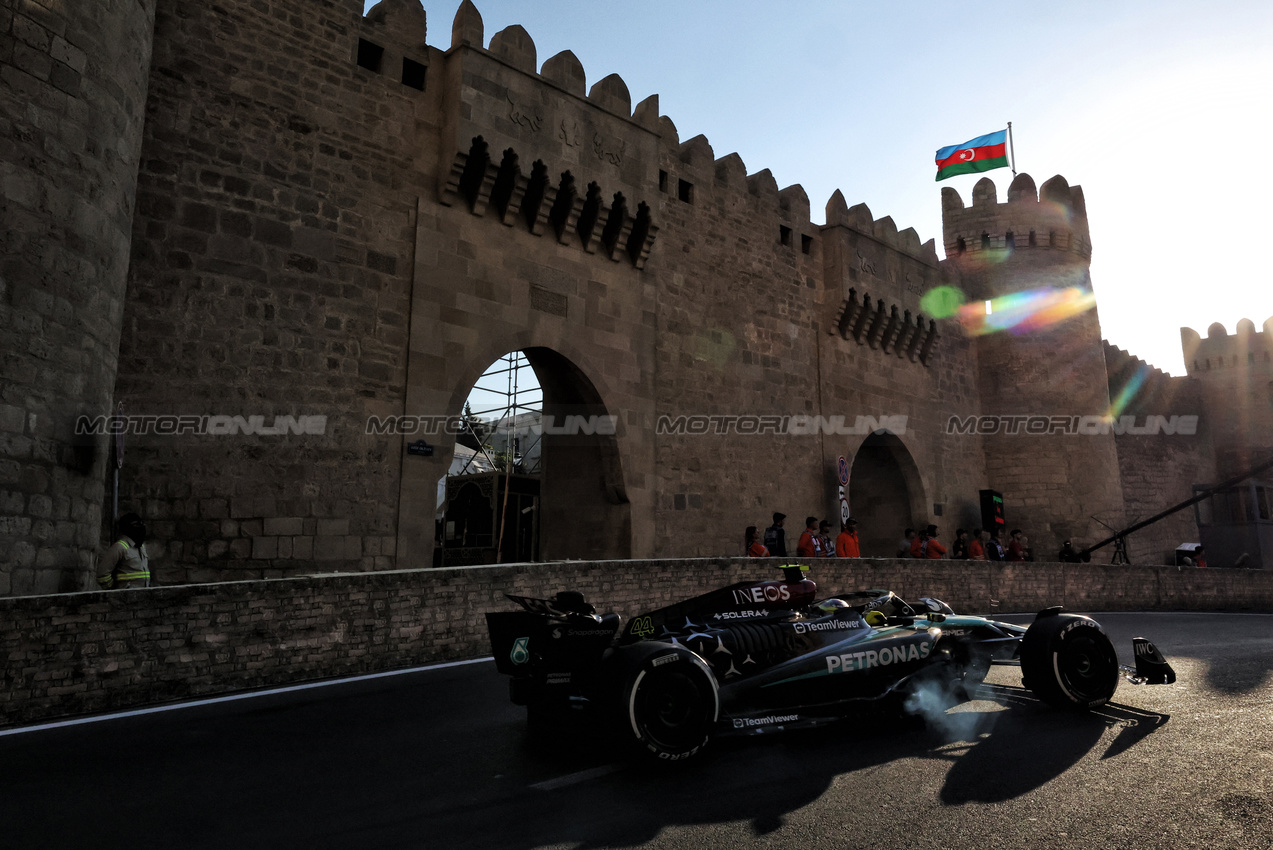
column 558, row 634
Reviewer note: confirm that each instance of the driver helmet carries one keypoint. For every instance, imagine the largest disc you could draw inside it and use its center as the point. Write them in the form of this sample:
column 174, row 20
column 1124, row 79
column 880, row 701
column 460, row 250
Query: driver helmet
column 830, row 606
column 876, row 618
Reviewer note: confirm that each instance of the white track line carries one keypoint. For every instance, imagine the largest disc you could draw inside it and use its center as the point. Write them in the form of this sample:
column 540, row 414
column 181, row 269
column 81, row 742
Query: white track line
column 78, row 721
column 575, row 778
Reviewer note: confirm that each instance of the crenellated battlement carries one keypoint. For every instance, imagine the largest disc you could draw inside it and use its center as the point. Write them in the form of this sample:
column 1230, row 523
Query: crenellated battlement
column 859, row 218
column 1133, row 379
column 1138, row 389
column 1119, row 360
column 533, row 127
column 1221, row 350
column 514, row 47
column 1053, row 218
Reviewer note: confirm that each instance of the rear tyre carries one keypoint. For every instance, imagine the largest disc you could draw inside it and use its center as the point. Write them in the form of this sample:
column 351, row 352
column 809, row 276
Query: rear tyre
column 670, row 704
column 1068, row 661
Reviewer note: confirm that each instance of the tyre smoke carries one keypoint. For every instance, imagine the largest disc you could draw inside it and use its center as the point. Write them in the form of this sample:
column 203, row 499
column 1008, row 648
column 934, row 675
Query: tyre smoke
column 932, row 701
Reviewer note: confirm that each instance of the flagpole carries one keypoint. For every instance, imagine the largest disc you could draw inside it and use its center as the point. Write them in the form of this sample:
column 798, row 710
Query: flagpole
column 1012, row 150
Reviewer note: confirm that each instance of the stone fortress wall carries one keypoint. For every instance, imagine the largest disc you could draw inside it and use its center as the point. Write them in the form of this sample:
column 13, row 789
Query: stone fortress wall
column 1161, row 469
column 336, row 220
column 73, row 79
column 541, row 218
column 271, row 274
column 1235, row 372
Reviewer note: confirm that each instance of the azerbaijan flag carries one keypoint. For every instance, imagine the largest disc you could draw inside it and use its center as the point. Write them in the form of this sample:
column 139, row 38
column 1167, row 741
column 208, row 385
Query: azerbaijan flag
column 980, row 154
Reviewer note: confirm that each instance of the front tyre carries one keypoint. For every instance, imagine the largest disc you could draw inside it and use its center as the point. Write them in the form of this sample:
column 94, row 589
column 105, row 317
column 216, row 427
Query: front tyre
column 670, row 704
column 1068, row 661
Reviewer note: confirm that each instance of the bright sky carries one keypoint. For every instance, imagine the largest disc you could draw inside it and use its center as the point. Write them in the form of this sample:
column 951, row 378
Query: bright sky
column 1159, row 110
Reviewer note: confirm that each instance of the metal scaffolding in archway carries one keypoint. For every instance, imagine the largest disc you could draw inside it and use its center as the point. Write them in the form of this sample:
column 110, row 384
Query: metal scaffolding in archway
column 491, row 491
column 502, row 418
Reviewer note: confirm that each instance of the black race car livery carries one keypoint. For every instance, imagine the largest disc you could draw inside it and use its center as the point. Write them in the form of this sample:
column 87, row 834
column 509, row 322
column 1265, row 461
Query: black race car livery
column 758, row 657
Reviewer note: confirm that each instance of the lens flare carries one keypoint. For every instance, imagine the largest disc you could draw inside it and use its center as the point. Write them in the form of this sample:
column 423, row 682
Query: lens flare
column 1129, row 391
column 1022, row 312
column 942, row 301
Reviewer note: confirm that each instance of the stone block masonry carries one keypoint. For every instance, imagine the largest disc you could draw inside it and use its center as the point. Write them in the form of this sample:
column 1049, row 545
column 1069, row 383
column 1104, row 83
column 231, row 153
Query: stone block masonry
column 73, row 79
column 270, row 277
column 85, row 653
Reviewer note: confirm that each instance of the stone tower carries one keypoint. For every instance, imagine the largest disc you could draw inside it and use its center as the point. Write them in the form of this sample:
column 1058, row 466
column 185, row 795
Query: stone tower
column 1236, row 374
column 75, row 78
column 1040, row 359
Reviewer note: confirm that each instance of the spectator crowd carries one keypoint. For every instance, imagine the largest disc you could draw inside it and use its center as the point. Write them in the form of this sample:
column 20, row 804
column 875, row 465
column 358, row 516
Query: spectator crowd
column 816, row 542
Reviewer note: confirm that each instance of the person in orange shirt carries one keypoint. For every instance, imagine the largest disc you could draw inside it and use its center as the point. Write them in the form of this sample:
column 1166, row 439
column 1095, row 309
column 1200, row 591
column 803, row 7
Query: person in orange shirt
column 917, row 544
column 976, row 548
column 752, row 544
column 926, row 545
column 934, row 549
column 846, row 544
column 810, row 545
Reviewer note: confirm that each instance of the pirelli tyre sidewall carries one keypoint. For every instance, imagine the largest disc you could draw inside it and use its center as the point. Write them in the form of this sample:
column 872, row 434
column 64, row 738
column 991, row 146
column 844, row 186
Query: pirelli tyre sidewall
column 668, row 701
column 1068, row 661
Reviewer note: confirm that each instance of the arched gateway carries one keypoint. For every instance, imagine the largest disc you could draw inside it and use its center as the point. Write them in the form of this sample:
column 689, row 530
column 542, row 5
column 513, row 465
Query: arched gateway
column 570, row 503
column 886, row 495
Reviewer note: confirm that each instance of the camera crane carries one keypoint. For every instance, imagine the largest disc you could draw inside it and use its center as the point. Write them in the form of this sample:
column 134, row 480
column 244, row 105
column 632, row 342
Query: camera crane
column 1118, row 538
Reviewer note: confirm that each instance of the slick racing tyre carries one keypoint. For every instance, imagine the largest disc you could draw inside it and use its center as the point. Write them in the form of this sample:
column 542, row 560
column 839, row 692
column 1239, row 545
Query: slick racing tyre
column 1069, row 661
column 669, row 703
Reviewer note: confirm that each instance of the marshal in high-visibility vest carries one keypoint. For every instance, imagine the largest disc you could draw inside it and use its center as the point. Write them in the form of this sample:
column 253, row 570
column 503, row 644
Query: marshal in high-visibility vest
column 125, row 563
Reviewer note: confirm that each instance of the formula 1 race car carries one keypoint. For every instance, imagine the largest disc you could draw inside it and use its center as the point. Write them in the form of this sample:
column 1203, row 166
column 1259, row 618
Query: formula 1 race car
column 758, row 657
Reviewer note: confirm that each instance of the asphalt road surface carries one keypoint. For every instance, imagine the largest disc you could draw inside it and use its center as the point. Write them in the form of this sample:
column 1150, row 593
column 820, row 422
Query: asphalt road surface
column 440, row 758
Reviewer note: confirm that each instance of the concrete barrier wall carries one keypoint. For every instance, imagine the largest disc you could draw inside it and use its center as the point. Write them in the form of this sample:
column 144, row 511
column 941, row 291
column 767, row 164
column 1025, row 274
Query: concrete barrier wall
column 84, row 653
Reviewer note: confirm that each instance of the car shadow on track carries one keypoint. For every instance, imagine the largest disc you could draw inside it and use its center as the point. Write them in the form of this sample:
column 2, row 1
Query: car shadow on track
column 991, row 769
column 1240, row 675
column 762, row 781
